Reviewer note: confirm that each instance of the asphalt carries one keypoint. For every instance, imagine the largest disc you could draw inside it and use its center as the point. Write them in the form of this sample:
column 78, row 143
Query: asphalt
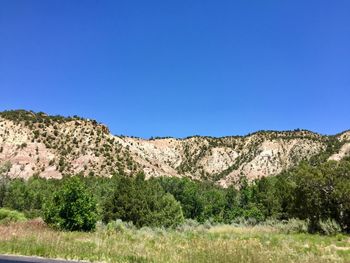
column 23, row 259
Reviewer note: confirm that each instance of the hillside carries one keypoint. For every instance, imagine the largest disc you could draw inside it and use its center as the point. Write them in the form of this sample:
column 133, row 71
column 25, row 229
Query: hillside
column 53, row 146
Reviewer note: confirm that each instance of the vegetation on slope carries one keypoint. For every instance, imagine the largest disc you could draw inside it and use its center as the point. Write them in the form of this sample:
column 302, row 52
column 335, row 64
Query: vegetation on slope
column 52, row 146
column 78, row 144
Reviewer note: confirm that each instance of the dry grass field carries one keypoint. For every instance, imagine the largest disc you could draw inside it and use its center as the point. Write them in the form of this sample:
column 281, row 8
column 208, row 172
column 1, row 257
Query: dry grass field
column 201, row 244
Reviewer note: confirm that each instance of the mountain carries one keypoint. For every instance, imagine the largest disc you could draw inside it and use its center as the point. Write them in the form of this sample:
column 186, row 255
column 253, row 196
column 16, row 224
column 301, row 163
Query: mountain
column 53, row 146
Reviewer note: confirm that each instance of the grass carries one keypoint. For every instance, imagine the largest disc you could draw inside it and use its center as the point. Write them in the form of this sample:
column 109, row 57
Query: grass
column 216, row 244
column 7, row 216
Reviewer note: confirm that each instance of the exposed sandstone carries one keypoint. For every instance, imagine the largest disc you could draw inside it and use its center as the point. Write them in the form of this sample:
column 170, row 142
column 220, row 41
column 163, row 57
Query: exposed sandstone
column 52, row 146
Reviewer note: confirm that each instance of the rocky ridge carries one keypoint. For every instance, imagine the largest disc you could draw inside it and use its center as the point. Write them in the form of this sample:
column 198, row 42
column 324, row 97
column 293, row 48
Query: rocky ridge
column 53, row 146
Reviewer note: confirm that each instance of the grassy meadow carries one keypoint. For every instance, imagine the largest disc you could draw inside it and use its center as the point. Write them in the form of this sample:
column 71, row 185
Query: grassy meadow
column 220, row 243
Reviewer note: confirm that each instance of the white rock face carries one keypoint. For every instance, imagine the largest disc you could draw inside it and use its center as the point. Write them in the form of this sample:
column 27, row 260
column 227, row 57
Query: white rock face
column 273, row 157
column 253, row 156
column 53, row 148
column 218, row 160
column 345, row 136
column 343, row 152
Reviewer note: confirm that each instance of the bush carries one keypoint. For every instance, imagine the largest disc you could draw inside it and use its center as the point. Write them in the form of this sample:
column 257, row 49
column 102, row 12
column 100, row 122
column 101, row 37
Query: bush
column 294, row 226
column 188, row 225
column 253, row 213
column 72, row 207
column 7, row 216
column 120, row 226
column 243, row 221
column 169, row 213
column 329, row 227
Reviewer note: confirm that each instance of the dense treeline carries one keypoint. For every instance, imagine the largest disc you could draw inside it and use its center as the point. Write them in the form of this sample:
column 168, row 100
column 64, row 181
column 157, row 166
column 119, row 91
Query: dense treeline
column 143, row 202
column 31, row 116
column 315, row 193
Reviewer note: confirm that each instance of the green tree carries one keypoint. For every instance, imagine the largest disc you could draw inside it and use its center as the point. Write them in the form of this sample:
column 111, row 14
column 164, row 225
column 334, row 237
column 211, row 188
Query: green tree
column 266, row 195
column 4, row 181
column 143, row 202
column 341, row 194
column 17, row 195
column 72, row 207
column 214, row 202
column 321, row 193
column 232, row 208
column 188, row 193
column 169, row 213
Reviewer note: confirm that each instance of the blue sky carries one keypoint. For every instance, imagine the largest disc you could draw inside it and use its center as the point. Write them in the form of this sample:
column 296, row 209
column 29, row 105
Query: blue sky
column 180, row 68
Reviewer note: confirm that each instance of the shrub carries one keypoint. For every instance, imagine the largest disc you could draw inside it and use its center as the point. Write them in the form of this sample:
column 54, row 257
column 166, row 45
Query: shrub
column 188, row 225
column 169, row 213
column 294, row 226
column 7, row 215
column 120, row 226
column 253, row 214
column 329, row 227
column 72, row 207
column 243, row 221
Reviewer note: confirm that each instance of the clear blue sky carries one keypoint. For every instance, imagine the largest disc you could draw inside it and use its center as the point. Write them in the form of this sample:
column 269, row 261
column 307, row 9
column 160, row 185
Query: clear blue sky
column 180, row 68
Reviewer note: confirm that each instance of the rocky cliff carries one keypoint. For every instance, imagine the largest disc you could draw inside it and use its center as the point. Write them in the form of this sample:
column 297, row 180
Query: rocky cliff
column 52, row 146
